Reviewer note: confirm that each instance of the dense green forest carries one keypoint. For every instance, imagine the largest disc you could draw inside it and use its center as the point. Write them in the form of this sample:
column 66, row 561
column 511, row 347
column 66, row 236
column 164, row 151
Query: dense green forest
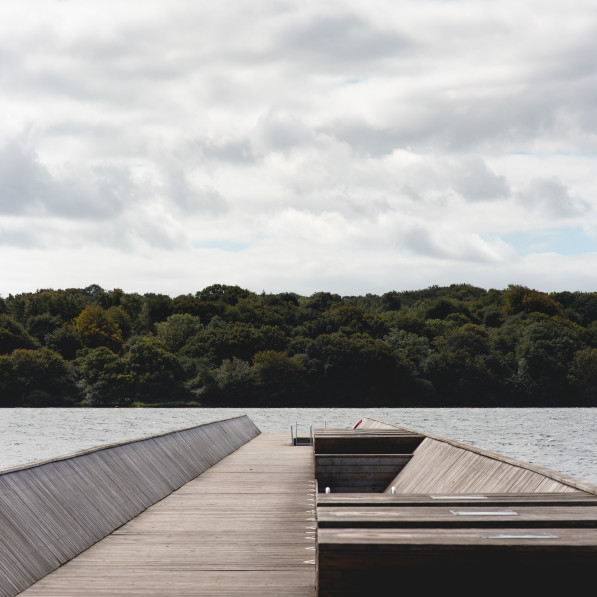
column 458, row 345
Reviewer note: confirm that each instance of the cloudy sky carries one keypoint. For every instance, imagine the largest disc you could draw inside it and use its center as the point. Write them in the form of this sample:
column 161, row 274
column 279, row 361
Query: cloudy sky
column 282, row 145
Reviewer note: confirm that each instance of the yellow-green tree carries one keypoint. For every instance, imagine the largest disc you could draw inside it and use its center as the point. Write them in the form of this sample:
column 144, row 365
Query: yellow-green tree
column 96, row 328
column 520, row 299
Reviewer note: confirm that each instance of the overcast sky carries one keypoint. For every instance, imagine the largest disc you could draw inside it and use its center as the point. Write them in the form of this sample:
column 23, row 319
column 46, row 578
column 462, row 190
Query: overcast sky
column 283, row 145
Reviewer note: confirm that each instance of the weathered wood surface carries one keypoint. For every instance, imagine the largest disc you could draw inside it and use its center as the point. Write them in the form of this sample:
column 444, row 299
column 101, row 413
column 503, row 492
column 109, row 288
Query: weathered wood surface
column 442, row 465
column 388, row 500
column 245, row 527
column 338, row 441
column 564, row 540
column 467, row 516
column 51, row 511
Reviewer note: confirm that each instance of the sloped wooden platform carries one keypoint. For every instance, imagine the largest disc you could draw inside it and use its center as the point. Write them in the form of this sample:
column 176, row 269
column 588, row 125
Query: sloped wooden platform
column 441, row 467
column 244, row 527
column 52, row 510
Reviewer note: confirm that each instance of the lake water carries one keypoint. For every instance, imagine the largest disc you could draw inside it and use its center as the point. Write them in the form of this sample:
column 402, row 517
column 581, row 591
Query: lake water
column 558, row 438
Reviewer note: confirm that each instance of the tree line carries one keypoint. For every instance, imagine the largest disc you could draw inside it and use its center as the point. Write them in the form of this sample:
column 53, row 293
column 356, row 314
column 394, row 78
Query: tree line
column 456, row 345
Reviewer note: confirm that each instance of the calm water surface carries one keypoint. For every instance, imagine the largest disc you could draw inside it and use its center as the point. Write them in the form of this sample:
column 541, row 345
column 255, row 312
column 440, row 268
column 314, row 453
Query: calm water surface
column 562, row 439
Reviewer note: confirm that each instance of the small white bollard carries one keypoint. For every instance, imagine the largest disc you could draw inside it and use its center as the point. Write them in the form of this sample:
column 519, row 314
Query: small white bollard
column 393, row 489
column 327, row 490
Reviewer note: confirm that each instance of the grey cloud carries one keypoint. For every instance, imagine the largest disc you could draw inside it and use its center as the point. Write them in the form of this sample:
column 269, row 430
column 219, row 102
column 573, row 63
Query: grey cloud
column 100, row 192
column 22, row 179
column 420, row 241
column 476, row 182
column 138, row 229
column 437, row 122
column 117, row 69
column 434, row 177
column 573, row 62
column 233, row 151
column 504, row 121
column 92, row 192
column 364, row 138
column 127, row 232
column 340, row 41
column 428, row 123
column 107, row 138
column 27, row 187
column 190, row 199
column 279, row 132
column 19, row 236
column 551, row 198
column 523, row 102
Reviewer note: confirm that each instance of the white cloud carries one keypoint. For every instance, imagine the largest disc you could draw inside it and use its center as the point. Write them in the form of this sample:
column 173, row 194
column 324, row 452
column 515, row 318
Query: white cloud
column 355, row 146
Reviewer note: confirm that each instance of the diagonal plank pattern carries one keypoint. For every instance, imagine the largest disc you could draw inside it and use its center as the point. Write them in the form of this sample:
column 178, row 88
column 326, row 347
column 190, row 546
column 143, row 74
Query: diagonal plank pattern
column 244, row 527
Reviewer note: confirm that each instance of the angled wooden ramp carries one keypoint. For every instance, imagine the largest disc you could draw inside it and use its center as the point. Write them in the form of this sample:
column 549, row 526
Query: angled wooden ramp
column 52, row 510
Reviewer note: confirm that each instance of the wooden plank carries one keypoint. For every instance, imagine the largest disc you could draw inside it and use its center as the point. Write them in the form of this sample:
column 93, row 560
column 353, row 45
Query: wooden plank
column 560, row 540
column 390, row 431
column 467, row 516
column 440, row 500
column 356, row 442
column 364, row 460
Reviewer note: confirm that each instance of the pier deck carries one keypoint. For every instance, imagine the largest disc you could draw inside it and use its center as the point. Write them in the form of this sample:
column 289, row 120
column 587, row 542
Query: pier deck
column 244, row 527
column 339, row 517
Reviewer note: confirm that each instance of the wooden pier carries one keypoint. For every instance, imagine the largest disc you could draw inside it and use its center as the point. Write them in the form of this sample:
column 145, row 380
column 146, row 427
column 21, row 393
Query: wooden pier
column 245, row 527
column 224, row 510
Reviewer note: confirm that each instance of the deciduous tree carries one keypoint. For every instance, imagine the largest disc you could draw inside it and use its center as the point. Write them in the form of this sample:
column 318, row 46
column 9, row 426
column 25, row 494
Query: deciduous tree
column 96, row 328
